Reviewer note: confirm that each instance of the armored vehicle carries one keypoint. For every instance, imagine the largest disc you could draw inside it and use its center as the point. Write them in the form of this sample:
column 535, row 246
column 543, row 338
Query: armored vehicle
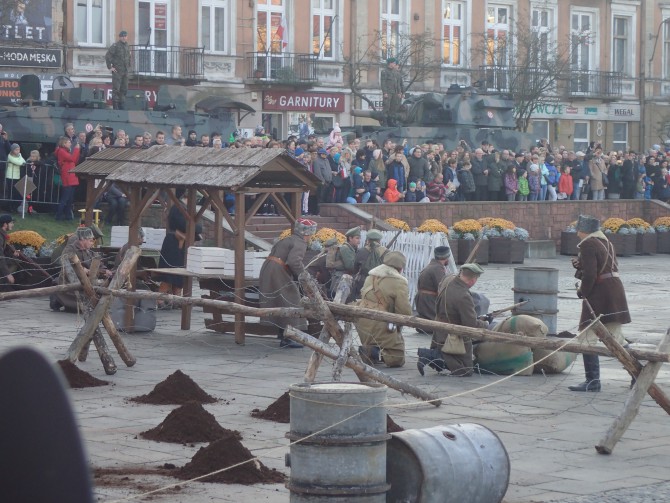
column 462, row 114
column 39, row 124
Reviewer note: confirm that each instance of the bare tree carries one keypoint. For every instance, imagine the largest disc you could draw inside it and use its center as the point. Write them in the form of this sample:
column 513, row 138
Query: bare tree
column 414, row 52
column 526, row 63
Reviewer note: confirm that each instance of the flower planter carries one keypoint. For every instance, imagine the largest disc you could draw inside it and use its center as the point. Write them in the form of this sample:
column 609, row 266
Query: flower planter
column 506, row 251
column 569, row 242
column 453, row 245
column 624, row 244
column 645, row 244
column 465, row 246
column 663, row 242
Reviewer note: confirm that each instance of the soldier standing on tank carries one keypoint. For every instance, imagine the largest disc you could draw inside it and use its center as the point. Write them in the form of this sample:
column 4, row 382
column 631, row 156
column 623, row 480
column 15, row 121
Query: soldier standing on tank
column 391, row 84
column 118, row 61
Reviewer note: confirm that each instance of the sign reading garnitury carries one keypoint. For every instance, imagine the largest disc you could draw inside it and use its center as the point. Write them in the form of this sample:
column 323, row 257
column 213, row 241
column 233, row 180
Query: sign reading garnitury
column 30, row 57
column 303, row 102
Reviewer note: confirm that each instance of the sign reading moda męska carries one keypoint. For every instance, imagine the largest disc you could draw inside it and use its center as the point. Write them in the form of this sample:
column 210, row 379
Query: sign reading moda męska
column 303, row 102
column 26, row 20
column 30, row 57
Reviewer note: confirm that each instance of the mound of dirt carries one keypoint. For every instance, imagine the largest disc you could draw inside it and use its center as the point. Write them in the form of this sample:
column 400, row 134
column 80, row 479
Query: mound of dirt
column 227, row 452
column 566, row 335
column 177, row 389
column 392, row 426
column 278, row 411
column 189, row 423
column 78, row 378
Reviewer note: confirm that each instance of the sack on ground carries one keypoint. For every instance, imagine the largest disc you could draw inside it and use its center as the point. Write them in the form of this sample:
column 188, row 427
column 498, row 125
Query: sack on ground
column 505, row 358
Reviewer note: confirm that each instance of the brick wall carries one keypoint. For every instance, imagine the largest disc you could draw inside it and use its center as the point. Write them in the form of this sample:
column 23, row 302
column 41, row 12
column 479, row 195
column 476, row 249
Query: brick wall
column 543, row 220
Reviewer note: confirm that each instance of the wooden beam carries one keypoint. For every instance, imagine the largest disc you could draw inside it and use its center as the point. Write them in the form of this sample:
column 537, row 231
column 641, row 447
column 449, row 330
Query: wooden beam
column 38, row 292
column 240, row 229
column 187, row 288
column 141, row 203
column 280, row 204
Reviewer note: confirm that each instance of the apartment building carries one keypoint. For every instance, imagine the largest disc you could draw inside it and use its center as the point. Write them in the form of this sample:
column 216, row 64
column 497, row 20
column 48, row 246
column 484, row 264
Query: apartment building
column 293, row 60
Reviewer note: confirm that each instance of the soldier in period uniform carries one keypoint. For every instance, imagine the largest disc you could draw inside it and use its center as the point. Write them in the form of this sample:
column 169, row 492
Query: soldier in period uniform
column 368, row 257
column 597, row 267
column 385, row 289
column 6, row 225
column 279, row 275
column 392, row 89
column 429, row 280
column 344, row 259
column 454, row 305
column 118, row 61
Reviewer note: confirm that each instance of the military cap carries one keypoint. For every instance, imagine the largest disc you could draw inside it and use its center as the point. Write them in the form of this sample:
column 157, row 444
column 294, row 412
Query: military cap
column 374, row 234
column 354, row 231
column 123, row 33
column 473, row 267
column 304, row 227
column 85, row 233
column 5, row 219
column 442, row 252
column 395, row 259
column 587, row 224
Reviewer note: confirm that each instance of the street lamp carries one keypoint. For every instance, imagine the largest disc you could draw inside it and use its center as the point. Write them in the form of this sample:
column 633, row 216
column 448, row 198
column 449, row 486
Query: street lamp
column 658, row 32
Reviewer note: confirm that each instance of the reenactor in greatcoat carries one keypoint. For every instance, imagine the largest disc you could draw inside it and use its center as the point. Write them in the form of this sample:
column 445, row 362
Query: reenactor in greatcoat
column 429, row 280
column 343, row 260
column 367, row 258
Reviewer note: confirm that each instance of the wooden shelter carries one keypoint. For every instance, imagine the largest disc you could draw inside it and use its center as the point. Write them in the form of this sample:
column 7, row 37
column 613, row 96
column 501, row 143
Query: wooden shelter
column 149, row 174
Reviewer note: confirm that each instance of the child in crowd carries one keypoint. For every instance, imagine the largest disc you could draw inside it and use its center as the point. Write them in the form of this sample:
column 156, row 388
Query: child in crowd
column 524, row 189
column 534, row 183
column 565, row 187
column 640, row 186
column 510, row 182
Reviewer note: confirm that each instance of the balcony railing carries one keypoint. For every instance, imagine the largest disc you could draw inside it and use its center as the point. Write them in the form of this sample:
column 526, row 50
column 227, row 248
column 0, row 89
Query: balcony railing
column 170, row 62
column 591, row 84
column 284, row 68
column 501, row 78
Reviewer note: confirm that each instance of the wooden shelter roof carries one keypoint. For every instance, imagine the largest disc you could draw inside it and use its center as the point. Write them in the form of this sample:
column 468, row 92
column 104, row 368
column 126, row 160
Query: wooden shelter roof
column 170, row 166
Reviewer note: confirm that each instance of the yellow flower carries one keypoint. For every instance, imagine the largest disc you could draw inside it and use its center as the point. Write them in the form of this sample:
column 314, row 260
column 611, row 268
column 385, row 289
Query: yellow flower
column 323, row 235
column 499, row 224
column 467, row 226
column 433, row 225
column 664, row 221
column 639, row 223
column 398, row 224
column 26, row 238
column 613, row 224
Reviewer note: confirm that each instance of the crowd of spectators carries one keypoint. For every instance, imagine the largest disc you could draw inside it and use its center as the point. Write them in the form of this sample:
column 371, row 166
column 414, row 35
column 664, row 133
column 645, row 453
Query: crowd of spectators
column 362, row 171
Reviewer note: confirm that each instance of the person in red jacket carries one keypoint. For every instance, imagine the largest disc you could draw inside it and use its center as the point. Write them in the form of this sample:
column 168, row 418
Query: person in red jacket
column 69, row 181
column 565, row 187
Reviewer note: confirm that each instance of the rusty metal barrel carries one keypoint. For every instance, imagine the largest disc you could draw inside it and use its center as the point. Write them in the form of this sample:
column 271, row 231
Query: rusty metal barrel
column 338, row 443
column 459, row 463
column 539, row 286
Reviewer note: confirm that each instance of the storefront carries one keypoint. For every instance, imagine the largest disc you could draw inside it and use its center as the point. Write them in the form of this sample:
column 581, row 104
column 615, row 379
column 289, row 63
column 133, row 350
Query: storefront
column 283, row 112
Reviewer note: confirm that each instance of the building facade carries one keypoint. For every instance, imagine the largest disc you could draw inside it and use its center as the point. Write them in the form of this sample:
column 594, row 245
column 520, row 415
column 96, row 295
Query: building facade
column 313, row 61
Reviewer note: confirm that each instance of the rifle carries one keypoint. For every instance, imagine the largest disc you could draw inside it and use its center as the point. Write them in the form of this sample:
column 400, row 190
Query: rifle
column 493, row 314
column 391, row 243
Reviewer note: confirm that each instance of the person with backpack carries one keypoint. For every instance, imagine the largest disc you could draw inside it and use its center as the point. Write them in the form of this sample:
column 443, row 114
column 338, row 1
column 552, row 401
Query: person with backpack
column 367, row 258
column 343, row 260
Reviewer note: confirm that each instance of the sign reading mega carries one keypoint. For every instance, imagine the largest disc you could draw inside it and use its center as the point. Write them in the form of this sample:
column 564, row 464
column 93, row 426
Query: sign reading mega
column 22, row 20
column 303, row 102
column 30, row 57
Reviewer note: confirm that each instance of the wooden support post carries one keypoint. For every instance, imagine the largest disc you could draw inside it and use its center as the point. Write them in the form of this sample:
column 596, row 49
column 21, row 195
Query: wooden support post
column 187, row 288
column 344, row 352
column 240, row 226
column 361, row 368
column 38, row 292
column 632, row 405
column 96, row 315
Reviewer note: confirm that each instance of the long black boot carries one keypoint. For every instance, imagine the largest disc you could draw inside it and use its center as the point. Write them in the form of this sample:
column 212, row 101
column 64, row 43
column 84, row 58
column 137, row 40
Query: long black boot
column 430, row 357
column 592, row 371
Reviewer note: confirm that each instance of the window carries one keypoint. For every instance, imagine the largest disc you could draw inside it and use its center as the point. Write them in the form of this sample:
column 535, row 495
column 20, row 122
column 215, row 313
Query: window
column 215, row 25
column 542, row 21
column 620, row 137
column 498, row 19
column 583, row 40
column 390, row 27
column 453, row 19
column 540, row 129
column 581, row 136
column 271, row 29
column 621, row 57
column 90, row 22
column 323, row 28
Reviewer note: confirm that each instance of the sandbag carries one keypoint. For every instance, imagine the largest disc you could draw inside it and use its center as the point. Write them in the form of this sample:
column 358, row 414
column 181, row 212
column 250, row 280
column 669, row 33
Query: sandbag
column 144, row 315
column 504, row 358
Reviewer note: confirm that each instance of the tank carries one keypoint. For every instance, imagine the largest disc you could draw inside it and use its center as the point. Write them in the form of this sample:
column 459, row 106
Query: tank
column 462, row 114
column 41, row 123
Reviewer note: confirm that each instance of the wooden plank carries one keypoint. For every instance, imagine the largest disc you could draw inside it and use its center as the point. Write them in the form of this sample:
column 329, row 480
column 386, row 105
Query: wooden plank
column 239, row 264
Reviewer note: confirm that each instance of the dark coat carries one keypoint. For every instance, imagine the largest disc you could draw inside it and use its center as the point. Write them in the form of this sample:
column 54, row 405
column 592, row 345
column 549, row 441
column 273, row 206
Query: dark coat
column 597, row 258
column 278, row 285
column 426, row 295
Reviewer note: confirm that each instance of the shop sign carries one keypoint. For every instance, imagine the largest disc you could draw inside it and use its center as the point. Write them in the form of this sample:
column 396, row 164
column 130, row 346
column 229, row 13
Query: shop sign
column 9, row 86
column 303, row 102
column 591, row 110
column 29, row 57
column 26, row 20
column 149, row 91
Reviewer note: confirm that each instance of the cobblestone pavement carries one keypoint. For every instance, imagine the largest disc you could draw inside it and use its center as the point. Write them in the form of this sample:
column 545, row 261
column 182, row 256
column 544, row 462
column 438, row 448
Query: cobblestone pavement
column 548, row 431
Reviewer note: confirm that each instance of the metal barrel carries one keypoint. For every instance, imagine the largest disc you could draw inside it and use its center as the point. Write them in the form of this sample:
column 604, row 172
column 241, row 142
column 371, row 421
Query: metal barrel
column 460, row 463
column 338, row 443
column 539, row 286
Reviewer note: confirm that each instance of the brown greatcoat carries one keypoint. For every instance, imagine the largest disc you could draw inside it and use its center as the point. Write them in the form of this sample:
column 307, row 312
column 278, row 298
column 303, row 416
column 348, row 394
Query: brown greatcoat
column 596, row 263
column 278, row 283
column 596, row 169
column 426, row 295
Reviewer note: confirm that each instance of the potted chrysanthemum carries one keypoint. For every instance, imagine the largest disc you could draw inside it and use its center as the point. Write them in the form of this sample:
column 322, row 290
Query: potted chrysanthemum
column 621, row 236
column 662, row 227
column 466, row 233
column 507, row 243
column 645, row 236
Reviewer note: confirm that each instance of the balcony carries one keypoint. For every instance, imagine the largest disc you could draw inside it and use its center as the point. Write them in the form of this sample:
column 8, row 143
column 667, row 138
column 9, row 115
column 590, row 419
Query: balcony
column 502, row 78
column 592, row 84
column 169, row 62
column 282, row 68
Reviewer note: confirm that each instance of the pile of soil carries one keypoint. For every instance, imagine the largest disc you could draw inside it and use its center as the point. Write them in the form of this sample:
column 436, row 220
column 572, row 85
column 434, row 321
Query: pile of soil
column 278, row 411
column 177, row 389
column 227, row 452
column 77, row 378
column 566, row 335
column 392, row 426
column 189, row 423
